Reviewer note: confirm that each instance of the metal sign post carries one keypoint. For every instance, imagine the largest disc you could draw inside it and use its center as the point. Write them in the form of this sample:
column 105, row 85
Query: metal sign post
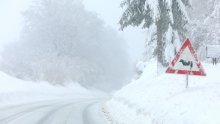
column 187, row 76
column 187, row 80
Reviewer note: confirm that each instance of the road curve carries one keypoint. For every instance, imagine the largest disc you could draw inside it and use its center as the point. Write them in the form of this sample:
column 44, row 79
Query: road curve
column 68, row 111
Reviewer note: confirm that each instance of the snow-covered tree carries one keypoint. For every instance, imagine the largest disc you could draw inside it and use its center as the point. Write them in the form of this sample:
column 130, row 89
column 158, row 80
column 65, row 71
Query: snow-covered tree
column 62, row 42
column 212, row 24
column 165, row 21
column 204, row 25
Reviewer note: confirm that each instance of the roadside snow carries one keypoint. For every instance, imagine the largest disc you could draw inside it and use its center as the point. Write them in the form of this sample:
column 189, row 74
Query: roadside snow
column 165, row 100
column 14, row 91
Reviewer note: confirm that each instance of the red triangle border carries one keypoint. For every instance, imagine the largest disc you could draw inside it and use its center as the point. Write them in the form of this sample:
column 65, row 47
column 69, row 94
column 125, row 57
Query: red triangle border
column 192, row 51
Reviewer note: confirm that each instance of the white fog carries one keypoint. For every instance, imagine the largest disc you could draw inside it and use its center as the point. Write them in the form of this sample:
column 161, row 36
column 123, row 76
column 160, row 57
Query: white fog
column 109, row 61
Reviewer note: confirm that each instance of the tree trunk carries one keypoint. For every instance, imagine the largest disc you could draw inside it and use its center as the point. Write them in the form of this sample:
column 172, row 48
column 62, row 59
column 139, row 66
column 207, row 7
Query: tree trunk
column 162, row 27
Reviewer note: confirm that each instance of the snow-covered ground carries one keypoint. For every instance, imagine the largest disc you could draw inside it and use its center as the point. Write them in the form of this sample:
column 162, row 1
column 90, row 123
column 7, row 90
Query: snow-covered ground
column 164, row 99
column 23, row 102
column 15, row 91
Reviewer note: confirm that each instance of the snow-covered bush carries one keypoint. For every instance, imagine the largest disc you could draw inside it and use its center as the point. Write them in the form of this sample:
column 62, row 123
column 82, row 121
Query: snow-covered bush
column 62, row 42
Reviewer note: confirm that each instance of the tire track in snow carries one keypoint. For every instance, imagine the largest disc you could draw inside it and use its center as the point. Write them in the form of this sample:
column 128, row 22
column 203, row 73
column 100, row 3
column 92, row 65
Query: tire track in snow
column 72, row 111
column 53, row 114
column 50, row 114
column 31, row 108
column 19, row 114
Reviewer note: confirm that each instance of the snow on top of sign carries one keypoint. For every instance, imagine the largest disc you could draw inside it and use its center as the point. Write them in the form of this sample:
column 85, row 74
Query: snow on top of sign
column 213, row 46
column 213, row 51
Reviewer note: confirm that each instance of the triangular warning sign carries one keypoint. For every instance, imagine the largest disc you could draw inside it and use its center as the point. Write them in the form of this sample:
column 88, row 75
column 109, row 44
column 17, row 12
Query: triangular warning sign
column 186, row 61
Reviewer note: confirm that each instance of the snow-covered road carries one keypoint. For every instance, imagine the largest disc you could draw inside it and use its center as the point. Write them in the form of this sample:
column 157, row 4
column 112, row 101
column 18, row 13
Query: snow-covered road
column 62, row 111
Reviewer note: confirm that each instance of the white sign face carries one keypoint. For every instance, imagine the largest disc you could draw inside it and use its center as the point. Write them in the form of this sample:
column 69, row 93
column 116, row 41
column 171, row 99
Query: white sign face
column 186, row 61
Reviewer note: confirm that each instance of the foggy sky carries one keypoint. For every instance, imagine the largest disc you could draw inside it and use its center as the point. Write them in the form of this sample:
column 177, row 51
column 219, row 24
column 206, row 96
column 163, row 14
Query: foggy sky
column 108, row 10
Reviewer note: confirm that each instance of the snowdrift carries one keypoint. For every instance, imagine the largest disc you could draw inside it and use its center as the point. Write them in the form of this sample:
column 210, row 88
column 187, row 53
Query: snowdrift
column 164, row 99
column 14, row 91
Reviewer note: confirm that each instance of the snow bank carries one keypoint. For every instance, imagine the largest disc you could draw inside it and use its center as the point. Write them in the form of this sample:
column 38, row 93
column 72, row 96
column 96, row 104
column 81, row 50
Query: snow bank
column 14, row 91
column 165, row 100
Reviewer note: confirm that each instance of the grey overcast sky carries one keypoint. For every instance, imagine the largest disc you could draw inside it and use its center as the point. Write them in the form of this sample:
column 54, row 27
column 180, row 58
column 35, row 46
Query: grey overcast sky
column 107, row 10
column 11, row 19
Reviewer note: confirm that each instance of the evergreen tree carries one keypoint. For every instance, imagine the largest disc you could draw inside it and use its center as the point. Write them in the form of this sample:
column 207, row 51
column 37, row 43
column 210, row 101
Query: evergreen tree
column 204, row 30
column 212, row 24
column 165, row 21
